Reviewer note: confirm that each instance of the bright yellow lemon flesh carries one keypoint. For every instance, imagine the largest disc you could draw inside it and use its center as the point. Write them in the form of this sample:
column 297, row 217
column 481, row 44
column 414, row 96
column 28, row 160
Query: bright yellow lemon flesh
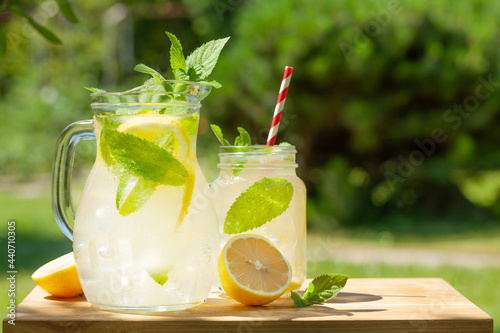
column 253, row 271
column 58, row 277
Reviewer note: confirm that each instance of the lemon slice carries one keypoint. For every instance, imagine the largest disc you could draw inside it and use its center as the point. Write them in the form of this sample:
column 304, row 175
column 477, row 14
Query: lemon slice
column 252, row 270
column 58, row 277
column 163, row 131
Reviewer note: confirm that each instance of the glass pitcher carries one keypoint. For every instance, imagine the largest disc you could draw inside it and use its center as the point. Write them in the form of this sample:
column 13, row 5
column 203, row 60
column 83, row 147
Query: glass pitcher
column 144, row 238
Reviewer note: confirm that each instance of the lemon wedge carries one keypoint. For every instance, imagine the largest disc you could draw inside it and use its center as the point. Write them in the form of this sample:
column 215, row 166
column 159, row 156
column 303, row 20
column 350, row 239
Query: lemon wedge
column 58, row 277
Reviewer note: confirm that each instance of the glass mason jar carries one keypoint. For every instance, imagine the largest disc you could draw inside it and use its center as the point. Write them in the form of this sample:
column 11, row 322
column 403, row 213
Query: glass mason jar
column 258, row 192
column 141, row 243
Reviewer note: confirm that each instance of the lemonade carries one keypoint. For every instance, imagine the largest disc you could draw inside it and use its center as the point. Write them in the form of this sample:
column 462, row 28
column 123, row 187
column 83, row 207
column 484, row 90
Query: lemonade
column 258, row 192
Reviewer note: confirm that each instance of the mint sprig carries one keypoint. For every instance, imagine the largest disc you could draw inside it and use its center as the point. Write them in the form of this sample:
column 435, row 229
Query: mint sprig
column 320, row 290
column 263, row 201
column 241, row 140
column 198, row 66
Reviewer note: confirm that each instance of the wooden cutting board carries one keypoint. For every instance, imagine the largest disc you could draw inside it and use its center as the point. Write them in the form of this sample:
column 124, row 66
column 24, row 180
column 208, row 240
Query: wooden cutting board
column 365, row 305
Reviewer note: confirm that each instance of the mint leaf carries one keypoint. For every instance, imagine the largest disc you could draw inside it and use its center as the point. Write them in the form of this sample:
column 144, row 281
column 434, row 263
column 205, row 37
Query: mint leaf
column 218, row 133
column 133, row 192
column 105, row 153
column 160, row 276
column 243, row 139
column 145, row 159
column 324, row 287
column 177, row 61
column 285, row 144
column 211, row 82
column 141, row 68
column 299, row 301
column 108, row 122
column 190, row 124
column 96, row 90
column 263, row 201
column 206, row 56
column 320, row 290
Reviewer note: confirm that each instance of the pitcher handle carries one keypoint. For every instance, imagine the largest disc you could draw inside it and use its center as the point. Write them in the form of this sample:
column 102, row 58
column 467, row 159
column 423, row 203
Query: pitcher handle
column 62, row 205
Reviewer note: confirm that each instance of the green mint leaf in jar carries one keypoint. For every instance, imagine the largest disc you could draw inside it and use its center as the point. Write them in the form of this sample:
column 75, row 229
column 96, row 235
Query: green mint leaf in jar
column 263, row 201
column 133, row 192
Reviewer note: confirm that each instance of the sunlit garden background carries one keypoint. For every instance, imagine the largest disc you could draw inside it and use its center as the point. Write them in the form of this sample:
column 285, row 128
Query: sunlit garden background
column 393, row 107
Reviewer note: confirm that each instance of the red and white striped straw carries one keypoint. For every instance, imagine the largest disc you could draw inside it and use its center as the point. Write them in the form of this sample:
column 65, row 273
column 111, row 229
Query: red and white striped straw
column 280, row 104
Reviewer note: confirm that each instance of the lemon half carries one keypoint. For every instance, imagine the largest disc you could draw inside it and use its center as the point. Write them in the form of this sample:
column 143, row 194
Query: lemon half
column 58, row 277
column 253, row 271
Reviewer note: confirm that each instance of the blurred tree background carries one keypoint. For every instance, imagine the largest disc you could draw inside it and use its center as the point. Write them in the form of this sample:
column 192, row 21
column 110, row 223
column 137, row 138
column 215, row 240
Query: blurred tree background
column 393, row 105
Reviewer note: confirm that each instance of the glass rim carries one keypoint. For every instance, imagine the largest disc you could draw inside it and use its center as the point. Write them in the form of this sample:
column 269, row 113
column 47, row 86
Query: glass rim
column 159, row 96
column 139, row 89
column 256, row 150
column 154, row 95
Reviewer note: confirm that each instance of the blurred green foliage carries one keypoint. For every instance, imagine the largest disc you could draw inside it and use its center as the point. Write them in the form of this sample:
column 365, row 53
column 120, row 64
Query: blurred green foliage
column 388, row 104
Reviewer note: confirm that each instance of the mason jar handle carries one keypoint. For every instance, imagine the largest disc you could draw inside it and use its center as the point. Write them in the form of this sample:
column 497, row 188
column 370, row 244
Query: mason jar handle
column 62, row 205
